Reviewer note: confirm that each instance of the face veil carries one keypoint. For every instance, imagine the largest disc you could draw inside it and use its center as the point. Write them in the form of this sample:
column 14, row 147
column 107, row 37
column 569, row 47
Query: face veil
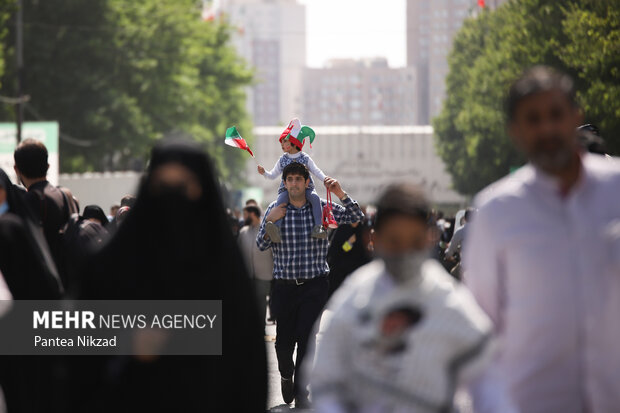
column 174, row 243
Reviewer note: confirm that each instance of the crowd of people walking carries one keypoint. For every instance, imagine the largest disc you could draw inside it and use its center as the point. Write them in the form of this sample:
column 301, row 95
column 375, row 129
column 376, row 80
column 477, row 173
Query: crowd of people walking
column 525, row 323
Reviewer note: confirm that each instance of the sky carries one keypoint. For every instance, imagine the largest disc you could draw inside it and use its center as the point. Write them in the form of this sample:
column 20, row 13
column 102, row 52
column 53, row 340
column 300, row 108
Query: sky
column 355, row 29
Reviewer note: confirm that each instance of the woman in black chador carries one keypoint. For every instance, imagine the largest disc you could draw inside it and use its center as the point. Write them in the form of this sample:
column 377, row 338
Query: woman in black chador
column 176, row 244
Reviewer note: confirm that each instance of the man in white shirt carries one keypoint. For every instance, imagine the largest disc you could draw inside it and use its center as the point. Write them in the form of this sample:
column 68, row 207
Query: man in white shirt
column 543, row 258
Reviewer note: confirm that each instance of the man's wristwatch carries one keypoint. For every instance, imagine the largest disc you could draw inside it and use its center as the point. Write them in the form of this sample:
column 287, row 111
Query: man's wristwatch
column 345, row 196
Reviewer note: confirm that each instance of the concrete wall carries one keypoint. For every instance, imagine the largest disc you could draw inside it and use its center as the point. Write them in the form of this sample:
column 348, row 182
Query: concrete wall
column 364, row 159
column 103, row 189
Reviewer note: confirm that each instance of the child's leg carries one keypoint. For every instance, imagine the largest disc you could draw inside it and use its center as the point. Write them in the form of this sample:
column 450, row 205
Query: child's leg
column 282, row 199
column 317, row 209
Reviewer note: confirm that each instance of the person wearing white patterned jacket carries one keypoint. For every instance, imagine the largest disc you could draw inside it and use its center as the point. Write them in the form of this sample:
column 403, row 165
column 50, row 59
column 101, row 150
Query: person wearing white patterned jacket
column 400, row 335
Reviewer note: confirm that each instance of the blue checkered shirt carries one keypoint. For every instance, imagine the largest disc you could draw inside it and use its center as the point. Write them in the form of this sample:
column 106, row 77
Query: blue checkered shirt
column 300, row 256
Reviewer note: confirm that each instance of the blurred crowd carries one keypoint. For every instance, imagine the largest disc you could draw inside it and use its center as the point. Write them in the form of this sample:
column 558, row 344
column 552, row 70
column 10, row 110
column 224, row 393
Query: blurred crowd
column 509, row 305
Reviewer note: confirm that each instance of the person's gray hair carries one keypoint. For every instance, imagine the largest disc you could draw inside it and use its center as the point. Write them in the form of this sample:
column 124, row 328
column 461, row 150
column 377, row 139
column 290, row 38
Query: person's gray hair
column 535, row 80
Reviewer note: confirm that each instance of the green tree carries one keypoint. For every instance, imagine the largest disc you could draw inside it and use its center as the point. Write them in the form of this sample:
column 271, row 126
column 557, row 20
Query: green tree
column 7, row 8
column 491, row 50
column 593, row 52
column 118, row 75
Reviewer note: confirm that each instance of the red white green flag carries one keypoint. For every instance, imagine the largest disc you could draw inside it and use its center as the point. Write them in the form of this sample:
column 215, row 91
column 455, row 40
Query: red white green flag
column 235, row 140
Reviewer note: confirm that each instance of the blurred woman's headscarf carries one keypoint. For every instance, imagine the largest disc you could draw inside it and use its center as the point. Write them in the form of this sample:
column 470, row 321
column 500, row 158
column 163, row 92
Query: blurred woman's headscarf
column 175, row 244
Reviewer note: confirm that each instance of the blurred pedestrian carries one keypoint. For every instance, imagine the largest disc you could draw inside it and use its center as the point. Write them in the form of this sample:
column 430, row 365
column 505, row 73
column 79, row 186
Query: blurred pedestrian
column 402, row 335
column 259, row 263
column 176, row 245
column 128, row 201
column 5, row 296
column 51, row 206
column 83, row 236
column 5, row 303
column 30, row 384
column 113, row 210
column 94, row 213
column 543, row 258
column 455, row 247
column 25, row 258
column 348, row 250
column 300, row 273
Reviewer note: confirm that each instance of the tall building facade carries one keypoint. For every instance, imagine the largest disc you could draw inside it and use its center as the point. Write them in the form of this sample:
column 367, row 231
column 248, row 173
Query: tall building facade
column 431, row 26
column 359, row 92
column 271, row 36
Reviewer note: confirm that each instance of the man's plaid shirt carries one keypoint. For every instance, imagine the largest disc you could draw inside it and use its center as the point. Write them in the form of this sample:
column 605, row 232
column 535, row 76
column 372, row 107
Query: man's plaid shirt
column 300, row 256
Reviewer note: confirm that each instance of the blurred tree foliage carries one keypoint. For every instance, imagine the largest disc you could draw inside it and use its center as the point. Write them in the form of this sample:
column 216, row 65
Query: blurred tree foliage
column 580, row 37
column 7, row 8
column 120, row 74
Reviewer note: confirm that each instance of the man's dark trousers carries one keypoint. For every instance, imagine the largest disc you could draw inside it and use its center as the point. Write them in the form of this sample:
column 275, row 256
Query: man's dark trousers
column 296, row 308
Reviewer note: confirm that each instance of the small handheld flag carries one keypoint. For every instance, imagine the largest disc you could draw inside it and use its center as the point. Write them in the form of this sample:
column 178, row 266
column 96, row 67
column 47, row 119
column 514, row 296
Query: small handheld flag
column 235, row 140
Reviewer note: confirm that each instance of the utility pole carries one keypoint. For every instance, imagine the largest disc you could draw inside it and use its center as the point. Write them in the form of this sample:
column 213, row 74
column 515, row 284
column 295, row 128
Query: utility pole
column 19, row 47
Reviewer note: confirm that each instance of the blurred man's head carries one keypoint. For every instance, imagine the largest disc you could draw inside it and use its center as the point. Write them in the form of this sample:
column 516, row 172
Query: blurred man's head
column 114, row 209
column 543, row 116
column 402, row 236
column 31, row 160
column 251, row 215
column 251, row 201
column 296, row 179
column 128, row 201
column 122, row 214
column 469, row 213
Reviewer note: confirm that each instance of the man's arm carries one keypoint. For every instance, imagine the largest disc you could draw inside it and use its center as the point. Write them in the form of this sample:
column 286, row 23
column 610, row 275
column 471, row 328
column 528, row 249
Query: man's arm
column 456, row 241
column 350, row 211
column 482, row 265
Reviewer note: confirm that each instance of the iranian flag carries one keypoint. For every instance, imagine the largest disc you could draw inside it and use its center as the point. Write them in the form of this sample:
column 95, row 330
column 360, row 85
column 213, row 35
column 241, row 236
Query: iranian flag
column 235, row 140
